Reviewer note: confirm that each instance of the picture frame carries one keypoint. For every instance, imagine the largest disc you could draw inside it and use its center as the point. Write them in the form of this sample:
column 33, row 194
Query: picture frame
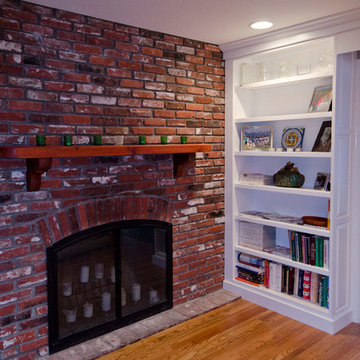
column 322, row 181
column 256, row 138
column 292, row 138
column 321, row 99
column 323, row 139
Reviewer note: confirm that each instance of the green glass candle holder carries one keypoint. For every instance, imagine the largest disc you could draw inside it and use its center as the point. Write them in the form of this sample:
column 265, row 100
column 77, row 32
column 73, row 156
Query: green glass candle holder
column 183, row 139
column 97, row 140
column 163, row 139
column 40, row 140
column 67, row 140
column 142, row 140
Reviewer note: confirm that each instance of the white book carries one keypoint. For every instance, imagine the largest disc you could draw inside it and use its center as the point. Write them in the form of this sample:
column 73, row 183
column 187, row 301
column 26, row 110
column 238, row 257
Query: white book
column 278, row 276
column 296, row 280
column 314, row 293
column 257, row 269
column 272, row 269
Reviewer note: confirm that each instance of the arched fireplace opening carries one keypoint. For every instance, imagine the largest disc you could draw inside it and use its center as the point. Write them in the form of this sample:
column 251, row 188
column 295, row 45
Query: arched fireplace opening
column 106, row 277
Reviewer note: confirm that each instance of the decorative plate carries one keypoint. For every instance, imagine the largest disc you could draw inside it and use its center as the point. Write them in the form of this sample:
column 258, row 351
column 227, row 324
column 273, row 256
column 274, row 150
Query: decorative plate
column 292, row 138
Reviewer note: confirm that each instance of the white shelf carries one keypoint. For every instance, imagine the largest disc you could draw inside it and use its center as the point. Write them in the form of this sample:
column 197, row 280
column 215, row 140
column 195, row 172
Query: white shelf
column 301, row 116
column 285, row 154
column 285, row 190
column 287, row 80
column 281, row 296
column 315, row 230
column 282, row 259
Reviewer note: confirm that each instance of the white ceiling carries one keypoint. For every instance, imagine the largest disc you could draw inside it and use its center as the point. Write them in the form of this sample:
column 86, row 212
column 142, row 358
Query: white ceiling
column 214, row 21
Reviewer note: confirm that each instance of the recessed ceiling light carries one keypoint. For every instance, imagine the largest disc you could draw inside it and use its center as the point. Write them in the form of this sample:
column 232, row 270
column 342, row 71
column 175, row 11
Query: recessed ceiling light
column 260, row 25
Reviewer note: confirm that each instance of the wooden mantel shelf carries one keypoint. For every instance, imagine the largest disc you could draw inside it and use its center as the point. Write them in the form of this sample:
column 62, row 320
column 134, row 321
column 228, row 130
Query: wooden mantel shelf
column 36, row 152
column 39, row 158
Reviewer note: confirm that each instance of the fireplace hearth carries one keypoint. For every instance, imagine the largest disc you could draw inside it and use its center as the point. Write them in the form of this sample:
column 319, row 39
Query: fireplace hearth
column 106, row 277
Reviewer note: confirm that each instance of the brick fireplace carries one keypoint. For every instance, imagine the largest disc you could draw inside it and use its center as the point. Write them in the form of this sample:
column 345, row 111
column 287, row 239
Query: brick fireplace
column 64, row 73
column 114, row 270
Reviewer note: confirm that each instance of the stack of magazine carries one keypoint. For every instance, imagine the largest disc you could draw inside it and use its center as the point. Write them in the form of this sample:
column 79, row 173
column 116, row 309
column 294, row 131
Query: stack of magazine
column 257, row 236
column 273, row 216
column 256, row 179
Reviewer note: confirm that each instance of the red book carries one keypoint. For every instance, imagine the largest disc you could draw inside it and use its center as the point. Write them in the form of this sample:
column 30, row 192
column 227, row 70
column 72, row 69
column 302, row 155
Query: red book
column 246, row 281
column 267, row 275
column 306, row 285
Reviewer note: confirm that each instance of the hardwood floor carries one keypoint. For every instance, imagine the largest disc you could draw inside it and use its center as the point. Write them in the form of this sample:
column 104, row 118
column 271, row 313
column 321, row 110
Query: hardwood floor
column 241, row 330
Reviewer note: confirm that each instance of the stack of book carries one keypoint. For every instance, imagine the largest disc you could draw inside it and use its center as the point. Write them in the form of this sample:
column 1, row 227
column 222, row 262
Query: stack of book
column 250, row 269
column 256, row 179
column 257, row 236
column 309, row 249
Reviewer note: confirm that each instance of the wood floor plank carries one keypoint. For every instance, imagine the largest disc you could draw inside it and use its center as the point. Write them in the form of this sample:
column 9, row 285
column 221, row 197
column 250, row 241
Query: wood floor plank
column 242, row 330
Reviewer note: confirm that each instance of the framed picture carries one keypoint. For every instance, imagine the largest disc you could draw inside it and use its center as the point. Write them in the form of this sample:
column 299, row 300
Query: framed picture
column 321, row 99
column 292, row 138
column 323, row 139
column 256, row 138
column 322, row 181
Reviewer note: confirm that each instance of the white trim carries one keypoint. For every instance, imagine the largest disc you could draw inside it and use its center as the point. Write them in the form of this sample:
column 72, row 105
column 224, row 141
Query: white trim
column 310, row 30
column 286, row 117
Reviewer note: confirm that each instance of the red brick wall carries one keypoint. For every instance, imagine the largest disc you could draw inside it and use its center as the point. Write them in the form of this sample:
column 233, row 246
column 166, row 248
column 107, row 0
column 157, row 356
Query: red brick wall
column 64, row 73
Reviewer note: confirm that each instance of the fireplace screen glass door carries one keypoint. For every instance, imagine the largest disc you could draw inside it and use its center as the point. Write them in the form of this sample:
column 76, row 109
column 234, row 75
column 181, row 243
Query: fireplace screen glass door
column 86, row 284
column 107, row 277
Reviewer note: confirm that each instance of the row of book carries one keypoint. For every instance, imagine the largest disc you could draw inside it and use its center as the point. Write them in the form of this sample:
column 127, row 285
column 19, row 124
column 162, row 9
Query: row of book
column 307, row 285
column 309, row 249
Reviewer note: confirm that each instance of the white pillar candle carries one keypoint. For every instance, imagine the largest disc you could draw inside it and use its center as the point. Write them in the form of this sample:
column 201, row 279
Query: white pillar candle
column 106, row 301
column 70, row 315
column 123, row 297
column 88, row 310
column 99, row 271
column 67, row 288
column 113, row 274
column 84, row 274
column 136, row 292
column 153, row 296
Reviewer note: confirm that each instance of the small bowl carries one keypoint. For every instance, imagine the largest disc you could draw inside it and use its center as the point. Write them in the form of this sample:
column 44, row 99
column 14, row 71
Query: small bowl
column 315, row 221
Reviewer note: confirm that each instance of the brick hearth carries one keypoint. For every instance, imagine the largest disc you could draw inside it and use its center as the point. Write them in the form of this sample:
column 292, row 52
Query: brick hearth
column 65, row 73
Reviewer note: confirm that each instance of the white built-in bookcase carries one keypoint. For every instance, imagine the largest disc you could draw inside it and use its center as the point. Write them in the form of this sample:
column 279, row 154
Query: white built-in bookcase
column 282, row 101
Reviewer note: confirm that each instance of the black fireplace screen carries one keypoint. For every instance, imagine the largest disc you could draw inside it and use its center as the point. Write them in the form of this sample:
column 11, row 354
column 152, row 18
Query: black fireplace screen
column 107, row 277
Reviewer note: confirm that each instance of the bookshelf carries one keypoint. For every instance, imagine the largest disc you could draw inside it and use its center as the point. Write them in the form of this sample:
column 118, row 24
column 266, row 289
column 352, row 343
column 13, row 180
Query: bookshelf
column 279, row 96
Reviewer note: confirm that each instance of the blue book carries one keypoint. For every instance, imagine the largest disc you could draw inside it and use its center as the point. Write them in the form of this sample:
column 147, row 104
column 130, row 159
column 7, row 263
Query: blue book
column 300, row 283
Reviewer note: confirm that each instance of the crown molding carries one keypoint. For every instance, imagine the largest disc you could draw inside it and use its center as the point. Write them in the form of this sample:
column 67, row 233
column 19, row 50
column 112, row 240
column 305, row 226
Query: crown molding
column 310, row 30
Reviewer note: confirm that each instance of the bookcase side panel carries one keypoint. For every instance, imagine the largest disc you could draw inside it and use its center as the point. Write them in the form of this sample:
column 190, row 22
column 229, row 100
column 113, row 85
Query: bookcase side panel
column 231, row 104
column 354, row 185
column 347, row 198
column 340, row 200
